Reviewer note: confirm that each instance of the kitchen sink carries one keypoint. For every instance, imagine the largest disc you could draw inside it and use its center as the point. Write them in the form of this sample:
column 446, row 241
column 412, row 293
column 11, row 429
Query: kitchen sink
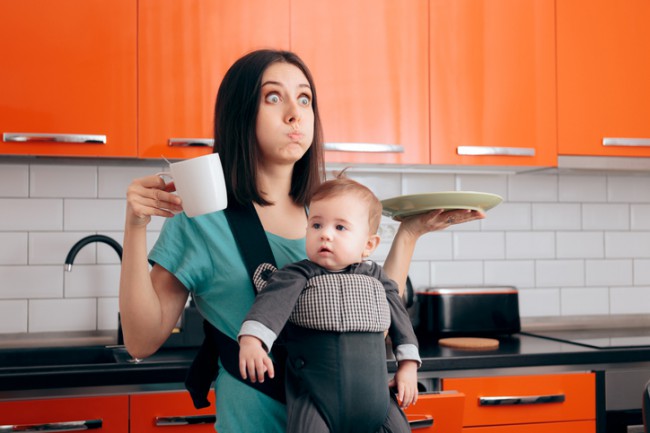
column 56, row 356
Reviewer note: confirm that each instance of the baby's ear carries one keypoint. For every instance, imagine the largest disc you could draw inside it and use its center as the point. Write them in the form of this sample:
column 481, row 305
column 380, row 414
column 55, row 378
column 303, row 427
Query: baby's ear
column 371, row 245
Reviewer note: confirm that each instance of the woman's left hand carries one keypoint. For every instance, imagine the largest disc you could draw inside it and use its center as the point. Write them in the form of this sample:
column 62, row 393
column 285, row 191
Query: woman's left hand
column 438, row 219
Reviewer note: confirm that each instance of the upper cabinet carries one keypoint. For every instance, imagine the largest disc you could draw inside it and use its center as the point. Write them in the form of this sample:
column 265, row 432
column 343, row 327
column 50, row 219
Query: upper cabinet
column 185, row 48
column 603, row 59
column 370, row 64
column 68, row 77
column 493, row 87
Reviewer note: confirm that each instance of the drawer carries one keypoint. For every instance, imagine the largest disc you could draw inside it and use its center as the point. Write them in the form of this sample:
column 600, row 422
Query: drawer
column 444, row 408
column 545, row 427
column 170, row 411
column 526, row 399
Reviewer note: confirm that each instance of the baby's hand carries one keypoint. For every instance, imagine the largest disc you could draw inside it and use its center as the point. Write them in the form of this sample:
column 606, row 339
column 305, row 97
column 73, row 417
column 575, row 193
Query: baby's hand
column 406, row 381
column 254, row 362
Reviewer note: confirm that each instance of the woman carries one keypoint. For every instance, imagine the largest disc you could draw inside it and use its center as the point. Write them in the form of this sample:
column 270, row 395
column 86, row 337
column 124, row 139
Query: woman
column 268, row 135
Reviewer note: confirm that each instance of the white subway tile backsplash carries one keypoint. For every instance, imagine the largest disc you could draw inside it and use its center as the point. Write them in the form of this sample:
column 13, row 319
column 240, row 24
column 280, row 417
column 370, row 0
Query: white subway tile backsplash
column 532, row 188
column 23, row 214
column 559, row 273
column 456, row 273
column 628, row 189
column 608, row 272
column 51, row 248
column 14, row 248
column 530, row 245
column 99, row 214
column 107, row 309
column 57, row 315
column 518, row 273
column 14, row 180
column 640, row 216
column 94, row 281
column 635, row 245
column 27, row 282
column 539, row 302
column 572, row 301
column 509, row 216
column 580, row 188
column 421, row 183
column 575, row 245
column 629, row 300
column 63, row 181
column 482, row 245
column 605, row 216
column 556, row 216
column 13, row 316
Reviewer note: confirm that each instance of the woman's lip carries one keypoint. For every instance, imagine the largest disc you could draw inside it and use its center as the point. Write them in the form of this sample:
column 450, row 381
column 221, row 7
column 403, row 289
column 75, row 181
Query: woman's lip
column 295, row 135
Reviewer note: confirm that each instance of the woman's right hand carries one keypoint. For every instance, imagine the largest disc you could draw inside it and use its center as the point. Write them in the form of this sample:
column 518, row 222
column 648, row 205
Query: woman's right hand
column 149, row 196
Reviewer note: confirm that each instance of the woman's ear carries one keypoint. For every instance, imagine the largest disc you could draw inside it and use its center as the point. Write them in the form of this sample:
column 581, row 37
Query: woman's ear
column 371, row 245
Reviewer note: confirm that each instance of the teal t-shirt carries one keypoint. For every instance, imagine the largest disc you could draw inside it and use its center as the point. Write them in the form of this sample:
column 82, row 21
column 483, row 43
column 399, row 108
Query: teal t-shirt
column 201, row 252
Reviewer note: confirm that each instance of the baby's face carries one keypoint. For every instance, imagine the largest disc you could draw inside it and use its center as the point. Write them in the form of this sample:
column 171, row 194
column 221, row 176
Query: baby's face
column 338, row 232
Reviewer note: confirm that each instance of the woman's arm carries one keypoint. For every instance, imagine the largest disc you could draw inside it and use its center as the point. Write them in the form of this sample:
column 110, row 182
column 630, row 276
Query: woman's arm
column 399, row 257
column 150, row 301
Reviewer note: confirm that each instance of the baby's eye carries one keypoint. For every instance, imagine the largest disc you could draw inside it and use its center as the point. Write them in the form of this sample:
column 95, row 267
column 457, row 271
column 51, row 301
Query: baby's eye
column 304, row 100
column 316, row 226
column 340, row 227
column 273, row 98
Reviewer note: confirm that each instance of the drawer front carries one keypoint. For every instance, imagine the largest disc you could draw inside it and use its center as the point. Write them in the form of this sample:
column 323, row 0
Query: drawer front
column 526, row 399
column 169, row 412
column 444, row 409
column 547, row 427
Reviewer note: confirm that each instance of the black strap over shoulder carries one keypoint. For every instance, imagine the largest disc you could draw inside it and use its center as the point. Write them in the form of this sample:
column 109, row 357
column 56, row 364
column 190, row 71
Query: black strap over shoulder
column 255, row 250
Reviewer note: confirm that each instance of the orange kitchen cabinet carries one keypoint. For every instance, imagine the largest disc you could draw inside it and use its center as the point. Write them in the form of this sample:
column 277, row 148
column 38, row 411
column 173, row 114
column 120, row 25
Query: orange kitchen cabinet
column 529, row 400
column 68, row 78
column 369, row 59
column 493, row 86
column 184, row 49
column 603, row 65
column 107, row 414
column 547, row 427
column 445, row 409
column 154, row 413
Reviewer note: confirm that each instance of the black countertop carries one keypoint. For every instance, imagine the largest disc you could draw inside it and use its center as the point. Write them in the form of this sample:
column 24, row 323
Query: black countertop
column 111, row 370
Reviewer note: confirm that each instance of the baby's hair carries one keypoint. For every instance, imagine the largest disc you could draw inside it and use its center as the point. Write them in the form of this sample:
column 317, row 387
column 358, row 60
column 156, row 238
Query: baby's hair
column 344, row 185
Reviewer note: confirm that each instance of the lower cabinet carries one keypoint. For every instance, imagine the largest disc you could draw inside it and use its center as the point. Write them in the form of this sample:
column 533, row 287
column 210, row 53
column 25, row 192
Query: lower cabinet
column 169, row 412
column 106, row 414
column 531, row 403
column 437, row 413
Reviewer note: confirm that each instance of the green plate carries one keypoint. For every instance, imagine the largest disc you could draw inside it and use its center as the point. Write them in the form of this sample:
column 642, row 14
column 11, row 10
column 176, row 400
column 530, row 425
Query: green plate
column 407, row 205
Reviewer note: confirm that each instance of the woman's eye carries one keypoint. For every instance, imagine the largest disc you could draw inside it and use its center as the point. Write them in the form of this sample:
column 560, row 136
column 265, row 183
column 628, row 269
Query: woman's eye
column 273, row 98
column 304, row 100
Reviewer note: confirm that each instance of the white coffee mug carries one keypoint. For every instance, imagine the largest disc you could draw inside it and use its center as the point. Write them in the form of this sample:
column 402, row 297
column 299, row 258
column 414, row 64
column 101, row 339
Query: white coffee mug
column 200, row 184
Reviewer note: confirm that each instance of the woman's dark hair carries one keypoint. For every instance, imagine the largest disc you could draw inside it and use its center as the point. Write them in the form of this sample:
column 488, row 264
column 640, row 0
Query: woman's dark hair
column 235, row 137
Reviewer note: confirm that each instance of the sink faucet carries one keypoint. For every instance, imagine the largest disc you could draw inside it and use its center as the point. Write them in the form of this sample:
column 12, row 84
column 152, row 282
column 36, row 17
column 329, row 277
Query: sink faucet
column 87, row 240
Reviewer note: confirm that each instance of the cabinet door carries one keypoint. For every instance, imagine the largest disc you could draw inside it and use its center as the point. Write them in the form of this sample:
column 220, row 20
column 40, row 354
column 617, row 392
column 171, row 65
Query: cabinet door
column 185, row 48
column 370, row 64
column 499, row 400
column 546, row 427
column 603, row 61
column 68, row 77
column 493, row 82
column 437, row 413
column 156, row 412
column 107, row 414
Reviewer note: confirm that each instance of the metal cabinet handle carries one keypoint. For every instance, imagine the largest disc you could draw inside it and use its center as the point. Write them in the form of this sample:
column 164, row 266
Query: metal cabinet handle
column 364, row 147
column 517, row 400
column 495, row 151
column 90, row 424
column 173, row 421
column 34, row 137
column 425, row 422
column 190, row 142
column 609, row 141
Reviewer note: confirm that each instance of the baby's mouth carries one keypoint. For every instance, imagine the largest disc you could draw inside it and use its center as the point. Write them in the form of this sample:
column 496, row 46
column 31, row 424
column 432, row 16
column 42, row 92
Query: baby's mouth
column 324, row 250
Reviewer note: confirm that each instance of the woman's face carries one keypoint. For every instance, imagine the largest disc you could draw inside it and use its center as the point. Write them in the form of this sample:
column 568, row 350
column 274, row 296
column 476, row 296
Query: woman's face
column 285, row 120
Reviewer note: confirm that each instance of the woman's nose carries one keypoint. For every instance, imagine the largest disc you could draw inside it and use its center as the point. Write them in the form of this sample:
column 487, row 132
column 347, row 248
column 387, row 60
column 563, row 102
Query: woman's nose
column 293, row 114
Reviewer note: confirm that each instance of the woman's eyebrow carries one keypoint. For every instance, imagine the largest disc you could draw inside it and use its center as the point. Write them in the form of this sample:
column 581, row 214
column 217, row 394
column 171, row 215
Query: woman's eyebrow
column 277, row 83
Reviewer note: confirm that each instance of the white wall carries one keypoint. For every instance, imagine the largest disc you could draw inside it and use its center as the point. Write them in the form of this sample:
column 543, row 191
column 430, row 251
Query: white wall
column 573, row 244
